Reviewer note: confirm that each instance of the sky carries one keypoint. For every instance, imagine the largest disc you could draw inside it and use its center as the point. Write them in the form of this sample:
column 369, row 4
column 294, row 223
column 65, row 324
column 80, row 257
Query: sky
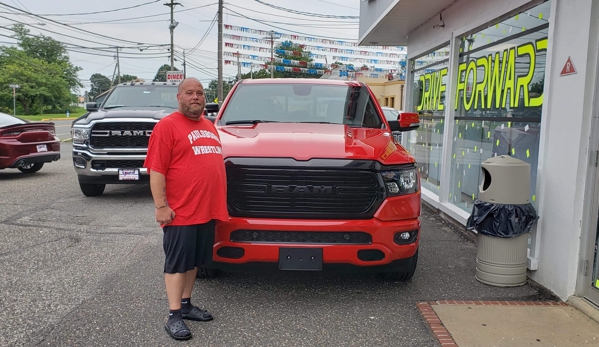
column 146, row 39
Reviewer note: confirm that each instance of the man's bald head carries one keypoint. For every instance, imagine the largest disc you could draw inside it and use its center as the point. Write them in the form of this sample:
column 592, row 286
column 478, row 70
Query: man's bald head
column 188, row 80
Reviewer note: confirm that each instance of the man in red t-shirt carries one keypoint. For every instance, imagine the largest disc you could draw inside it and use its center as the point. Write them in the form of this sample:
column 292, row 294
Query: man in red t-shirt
column 189, row 187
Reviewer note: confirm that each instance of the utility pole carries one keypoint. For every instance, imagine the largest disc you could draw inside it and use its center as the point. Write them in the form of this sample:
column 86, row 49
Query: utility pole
column 118, row 64
column 184, row 66
column 14, row 98
column 220, row 52
column 272, row 48
column 172, row 27
column 238, row 68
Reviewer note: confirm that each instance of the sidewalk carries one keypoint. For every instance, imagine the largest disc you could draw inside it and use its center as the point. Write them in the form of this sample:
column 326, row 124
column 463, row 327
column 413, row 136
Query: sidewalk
column 511, row 323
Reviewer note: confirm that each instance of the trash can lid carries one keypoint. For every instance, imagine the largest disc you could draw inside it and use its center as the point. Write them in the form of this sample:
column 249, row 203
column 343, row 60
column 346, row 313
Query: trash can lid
column 504, row 160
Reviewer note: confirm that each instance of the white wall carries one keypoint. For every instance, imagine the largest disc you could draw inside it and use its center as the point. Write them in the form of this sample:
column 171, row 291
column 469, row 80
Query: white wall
column 567, row 114
column 462, row 17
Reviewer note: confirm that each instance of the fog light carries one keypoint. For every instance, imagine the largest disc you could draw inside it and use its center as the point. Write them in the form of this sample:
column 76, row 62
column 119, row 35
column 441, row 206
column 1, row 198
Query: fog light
column 405, row 237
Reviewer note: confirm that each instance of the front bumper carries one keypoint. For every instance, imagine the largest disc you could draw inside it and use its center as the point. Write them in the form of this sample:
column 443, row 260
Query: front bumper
column 86, row 165
column 382, row 241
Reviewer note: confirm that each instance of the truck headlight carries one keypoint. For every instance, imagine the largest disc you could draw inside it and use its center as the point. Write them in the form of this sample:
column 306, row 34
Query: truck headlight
column 401, row 181
column 79, row 135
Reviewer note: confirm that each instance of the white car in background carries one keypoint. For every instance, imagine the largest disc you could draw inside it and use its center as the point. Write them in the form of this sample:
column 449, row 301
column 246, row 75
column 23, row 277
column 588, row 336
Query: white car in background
column 392, row 114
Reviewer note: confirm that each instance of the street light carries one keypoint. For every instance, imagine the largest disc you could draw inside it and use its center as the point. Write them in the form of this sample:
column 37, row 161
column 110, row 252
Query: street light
column 14, row 98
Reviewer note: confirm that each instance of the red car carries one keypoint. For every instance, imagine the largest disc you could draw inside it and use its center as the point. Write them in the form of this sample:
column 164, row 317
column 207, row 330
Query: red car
column 315, row 180
column 27, row 145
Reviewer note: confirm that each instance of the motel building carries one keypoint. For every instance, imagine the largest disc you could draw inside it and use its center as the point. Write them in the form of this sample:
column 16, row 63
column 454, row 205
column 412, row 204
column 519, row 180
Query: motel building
column 506, row 77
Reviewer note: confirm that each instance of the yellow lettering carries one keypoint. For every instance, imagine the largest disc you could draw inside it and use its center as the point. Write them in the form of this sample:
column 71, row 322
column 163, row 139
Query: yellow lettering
column 510, row 77
column 461, row 85
column 442, row 88
column 481, row 86
column 470, row 71
column 538, row 101
column 495, row 79
column 433, row 89
column 524, row 81
column 427, row 93
column 421, row 79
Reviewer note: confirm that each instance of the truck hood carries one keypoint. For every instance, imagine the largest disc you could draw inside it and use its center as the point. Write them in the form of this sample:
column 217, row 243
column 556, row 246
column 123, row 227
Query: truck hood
column 303, row 141
column 156, row 113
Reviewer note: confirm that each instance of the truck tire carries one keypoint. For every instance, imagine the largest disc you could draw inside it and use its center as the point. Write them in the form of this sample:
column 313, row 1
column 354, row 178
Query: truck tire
column 92, row 189
column 207, row 272
column 31, row 168
column 401, row 275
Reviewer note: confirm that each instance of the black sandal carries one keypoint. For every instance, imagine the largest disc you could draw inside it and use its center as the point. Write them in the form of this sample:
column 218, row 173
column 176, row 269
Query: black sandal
column 198, row 314
column 178, row 330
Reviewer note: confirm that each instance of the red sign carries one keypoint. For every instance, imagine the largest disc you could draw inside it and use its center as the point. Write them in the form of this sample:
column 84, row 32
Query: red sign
column 568, row 69
column 174, row 76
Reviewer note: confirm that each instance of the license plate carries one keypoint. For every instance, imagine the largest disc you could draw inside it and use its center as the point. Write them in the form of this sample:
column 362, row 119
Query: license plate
column 302, row 259
column 128, row 174
column 42, row 148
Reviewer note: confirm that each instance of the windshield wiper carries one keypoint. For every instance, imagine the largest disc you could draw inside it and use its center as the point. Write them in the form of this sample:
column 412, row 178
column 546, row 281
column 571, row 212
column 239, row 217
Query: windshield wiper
column 113, row 106
column 248, row 121
column 165, row 106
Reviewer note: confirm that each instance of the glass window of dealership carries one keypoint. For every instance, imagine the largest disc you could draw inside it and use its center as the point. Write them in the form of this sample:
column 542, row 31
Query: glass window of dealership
column 496, row 104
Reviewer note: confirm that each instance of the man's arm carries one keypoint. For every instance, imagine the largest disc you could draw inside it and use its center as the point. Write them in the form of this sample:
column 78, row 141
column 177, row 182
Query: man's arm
column 164, row 214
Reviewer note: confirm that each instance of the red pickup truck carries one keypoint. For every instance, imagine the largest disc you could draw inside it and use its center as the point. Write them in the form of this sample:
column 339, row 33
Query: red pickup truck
column 316, row 180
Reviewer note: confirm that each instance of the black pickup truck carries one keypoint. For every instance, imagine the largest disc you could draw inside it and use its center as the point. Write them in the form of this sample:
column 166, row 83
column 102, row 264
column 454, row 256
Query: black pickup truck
column 110, row 142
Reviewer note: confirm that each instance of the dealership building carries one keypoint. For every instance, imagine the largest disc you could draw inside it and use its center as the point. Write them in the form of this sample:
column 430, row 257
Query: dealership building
column 506, row 77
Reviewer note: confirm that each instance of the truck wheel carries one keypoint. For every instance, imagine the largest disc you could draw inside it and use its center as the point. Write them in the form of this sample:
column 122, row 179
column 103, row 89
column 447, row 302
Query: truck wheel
column 92, row 189
column 401, row 275
column 207, row 272
column 31, row 168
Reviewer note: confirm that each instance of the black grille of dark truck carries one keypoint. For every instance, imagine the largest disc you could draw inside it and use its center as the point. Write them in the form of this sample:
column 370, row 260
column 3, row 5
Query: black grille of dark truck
column 121, row 134
column 303, row 190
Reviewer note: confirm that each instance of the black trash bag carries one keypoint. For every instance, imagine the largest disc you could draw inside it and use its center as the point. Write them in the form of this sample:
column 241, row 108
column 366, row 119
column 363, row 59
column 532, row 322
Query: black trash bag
column 501, row 220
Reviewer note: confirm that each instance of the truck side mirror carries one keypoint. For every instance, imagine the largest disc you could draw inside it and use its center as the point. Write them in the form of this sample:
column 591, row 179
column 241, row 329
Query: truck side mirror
column 212, row 107
column 91, row 106
column 406, row 121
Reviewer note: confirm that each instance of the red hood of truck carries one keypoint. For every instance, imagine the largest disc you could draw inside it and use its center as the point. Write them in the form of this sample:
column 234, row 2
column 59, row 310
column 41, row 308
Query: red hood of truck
column 303, row 141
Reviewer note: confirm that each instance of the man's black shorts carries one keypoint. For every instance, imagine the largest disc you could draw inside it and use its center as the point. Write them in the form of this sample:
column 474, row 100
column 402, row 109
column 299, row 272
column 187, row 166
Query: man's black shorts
column 186, row 247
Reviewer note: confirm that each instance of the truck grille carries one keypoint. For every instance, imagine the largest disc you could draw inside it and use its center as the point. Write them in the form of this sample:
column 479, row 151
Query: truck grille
column 318, row 237
column 301, row 192
column 121, row 134
column 118, row 164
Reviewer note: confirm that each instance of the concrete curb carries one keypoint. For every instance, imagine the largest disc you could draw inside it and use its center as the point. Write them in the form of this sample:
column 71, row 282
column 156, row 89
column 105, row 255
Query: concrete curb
column 585, row 307
column 49, row 119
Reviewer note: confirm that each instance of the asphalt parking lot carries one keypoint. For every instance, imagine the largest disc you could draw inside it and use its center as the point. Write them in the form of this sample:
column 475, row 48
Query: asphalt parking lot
column 80, row 271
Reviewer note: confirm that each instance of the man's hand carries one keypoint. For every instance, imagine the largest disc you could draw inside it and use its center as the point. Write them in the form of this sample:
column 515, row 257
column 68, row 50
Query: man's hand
column 165, row 215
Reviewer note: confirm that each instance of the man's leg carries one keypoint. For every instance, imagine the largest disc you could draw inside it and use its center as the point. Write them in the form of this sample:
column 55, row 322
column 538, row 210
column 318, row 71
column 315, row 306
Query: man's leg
column 175, row 288
column 190, row 279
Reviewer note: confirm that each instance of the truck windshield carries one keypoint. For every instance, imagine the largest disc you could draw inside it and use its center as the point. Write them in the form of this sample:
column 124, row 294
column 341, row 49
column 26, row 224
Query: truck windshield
column 142, row 96
column 301, row 103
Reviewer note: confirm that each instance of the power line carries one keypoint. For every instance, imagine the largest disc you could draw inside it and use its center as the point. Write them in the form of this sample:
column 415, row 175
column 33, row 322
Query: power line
column 310, row 14
column 97, row 12
column 205, row 34
column 66, row 25
column 292, row 31
column 280, row 16
column 124, row 19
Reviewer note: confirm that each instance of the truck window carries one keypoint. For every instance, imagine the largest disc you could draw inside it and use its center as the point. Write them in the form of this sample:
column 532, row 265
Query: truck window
column 302, row 103
column 142, row 96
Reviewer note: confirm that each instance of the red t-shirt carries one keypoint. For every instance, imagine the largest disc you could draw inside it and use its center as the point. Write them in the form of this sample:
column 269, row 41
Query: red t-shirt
column 188, row 153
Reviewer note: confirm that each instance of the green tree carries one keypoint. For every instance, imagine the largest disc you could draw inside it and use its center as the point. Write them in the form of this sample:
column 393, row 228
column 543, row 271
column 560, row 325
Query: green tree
column 43, row 86
column 212, row 90
column 161, row 74
column 49, row 50
column 99, row 84
column 290, row 46
column 126, row 78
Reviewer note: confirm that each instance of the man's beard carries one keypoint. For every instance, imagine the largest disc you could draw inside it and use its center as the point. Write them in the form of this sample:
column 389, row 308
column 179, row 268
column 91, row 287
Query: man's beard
column 192, row 113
